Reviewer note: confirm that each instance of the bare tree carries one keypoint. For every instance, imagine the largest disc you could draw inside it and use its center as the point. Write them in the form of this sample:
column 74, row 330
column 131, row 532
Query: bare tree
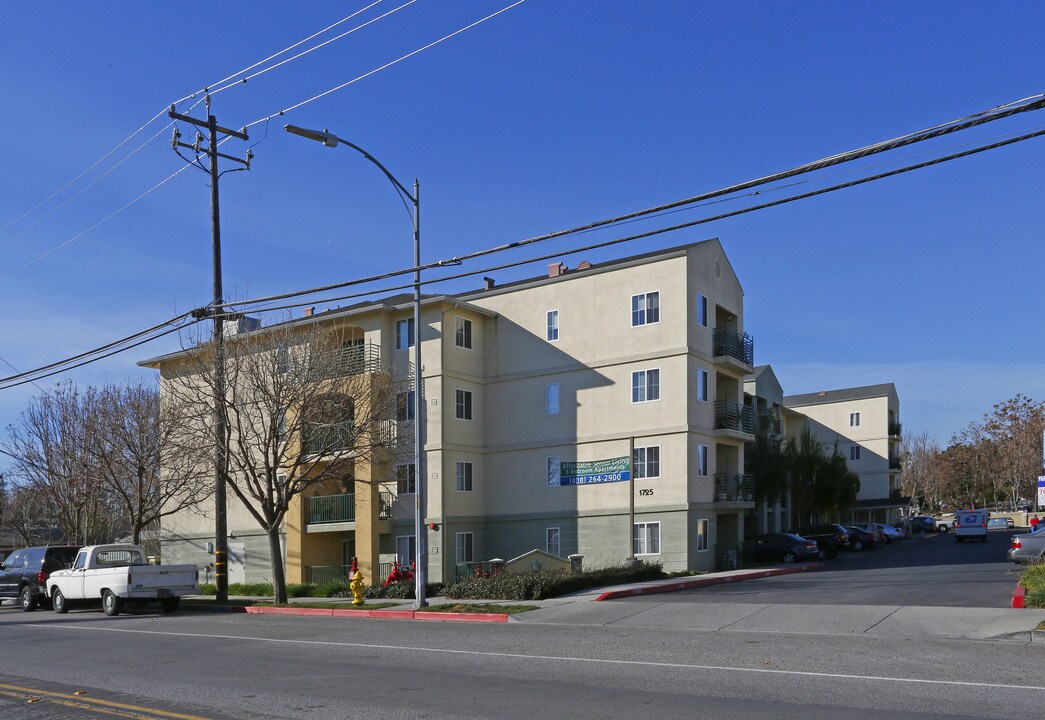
column 136, row 437
column 920, row 479
column 25, row 513
column 301, row 407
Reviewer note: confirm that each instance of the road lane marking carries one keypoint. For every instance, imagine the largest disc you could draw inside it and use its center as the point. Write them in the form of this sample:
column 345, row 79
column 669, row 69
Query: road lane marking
column 80, row 702
column 563, row 658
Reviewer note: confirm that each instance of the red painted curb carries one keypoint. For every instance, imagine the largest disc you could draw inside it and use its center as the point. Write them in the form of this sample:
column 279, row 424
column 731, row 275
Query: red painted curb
column 1017, row 597
column 705, row 582
column 378, row 614
column 462, row 617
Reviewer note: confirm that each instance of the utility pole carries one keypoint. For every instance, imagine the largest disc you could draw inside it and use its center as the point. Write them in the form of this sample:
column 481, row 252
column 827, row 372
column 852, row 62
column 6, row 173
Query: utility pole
column 216, row 312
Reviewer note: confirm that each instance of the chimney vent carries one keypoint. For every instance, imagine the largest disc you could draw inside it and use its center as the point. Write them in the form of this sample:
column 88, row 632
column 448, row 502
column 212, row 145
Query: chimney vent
column 488, row 283
column 309, row 311
column 556, row 269
column 584, row 265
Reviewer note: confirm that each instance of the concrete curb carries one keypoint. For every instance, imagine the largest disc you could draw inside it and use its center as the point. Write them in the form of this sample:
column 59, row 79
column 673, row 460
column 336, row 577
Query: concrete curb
column 1017, row 597
column 381, row 614
column 690, row 583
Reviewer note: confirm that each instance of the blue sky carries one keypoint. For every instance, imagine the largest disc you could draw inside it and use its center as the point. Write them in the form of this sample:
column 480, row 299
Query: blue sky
column 551, row 115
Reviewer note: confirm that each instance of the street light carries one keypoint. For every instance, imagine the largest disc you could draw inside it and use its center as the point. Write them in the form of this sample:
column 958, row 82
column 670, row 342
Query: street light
column 420, row 558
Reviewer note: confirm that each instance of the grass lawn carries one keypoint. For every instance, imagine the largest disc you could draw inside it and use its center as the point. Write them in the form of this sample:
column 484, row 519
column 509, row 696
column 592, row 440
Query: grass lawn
column 498, row 608
column 331, row 605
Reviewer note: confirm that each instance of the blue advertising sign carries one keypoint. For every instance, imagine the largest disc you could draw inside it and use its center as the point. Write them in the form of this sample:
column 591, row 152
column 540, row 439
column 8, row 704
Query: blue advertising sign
column 594, row 472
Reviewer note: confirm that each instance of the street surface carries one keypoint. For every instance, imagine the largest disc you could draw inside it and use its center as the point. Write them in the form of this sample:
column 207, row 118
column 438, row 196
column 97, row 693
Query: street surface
column 191, row 665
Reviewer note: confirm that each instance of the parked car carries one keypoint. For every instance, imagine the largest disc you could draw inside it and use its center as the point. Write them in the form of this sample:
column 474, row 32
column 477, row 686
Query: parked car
column 922, row 523
column 24, row 573
column 997, row 523
column 114, row 574
column 876, row 532
column 785, row 547
column 830, row 538
column 891, row 533
column 944, row 523
column 860, row 538
column 971, row 524
column 1029, row 547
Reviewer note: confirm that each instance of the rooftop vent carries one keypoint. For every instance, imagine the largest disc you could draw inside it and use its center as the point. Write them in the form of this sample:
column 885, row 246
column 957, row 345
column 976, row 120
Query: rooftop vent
column 488, row 283
column 556, row 269
column 309, row 311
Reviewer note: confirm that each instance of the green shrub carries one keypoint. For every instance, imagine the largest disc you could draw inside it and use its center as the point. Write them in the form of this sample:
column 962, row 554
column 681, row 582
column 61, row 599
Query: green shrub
column 261, row 589
column 208, row 589
column 543, row 585
column 1032, row 578
column 302, row 590
column 334, row 589
column 405, row 590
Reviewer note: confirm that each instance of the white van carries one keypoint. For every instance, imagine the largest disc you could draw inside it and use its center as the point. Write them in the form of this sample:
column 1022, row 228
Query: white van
column 970, row 524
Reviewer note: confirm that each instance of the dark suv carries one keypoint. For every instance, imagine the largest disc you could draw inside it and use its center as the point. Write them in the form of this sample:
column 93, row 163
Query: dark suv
column 830, row 538
column 24, row 573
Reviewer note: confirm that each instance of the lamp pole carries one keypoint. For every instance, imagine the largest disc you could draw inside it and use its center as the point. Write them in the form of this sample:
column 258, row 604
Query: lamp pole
column 420, row 537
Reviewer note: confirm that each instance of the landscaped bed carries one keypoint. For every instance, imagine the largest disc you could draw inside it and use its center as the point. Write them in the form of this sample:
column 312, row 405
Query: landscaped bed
column 1032, row 578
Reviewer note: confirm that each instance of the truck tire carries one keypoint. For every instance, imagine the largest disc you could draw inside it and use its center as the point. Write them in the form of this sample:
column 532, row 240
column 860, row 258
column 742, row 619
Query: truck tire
column 58, row 602
column 170, row 604
column 111, row 605
column 26, row 599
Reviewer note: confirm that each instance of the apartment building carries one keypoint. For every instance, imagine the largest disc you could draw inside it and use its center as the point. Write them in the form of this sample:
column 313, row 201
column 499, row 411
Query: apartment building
column 533, row 394
column 863, row 424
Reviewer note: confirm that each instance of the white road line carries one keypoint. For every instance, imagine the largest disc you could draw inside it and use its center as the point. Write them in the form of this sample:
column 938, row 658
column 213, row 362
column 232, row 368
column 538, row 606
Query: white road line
column 562, row 658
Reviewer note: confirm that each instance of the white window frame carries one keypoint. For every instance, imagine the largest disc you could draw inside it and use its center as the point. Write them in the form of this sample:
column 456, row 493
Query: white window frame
column 702, row 310
column 552, row 326
column 405, row 334
column 642, row 462
column 702, row 460
column 702, row 535
column 854, row 452
column 702, row 385
column 464, row 473
column 854, row 419
column 549, row 534
column 463, row 404
column 642, row 379
column 650, row 306
column 463, row 333
column 406, row 478
column 554, row 465
column 551, row 399
column 411, row 545
column 468, row 547
column 645, row 542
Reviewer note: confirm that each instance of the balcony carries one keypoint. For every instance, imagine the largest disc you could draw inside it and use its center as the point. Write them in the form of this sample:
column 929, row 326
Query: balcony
column 730, row 487
column 327, row 438
column 731, row 344
column 734, row 416
column 895, row 463
column 328, row 509
column 895, row 430
column 352, row 360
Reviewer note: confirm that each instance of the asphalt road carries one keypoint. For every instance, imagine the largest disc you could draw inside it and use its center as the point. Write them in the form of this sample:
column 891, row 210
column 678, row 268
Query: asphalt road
column 931, row 569
column 196, row 665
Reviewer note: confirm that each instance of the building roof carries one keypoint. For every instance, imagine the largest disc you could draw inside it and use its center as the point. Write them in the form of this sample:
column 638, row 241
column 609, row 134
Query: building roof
column 832, row 396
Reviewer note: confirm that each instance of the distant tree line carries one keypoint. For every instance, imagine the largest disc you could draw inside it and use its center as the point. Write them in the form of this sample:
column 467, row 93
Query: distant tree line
column 994, row 461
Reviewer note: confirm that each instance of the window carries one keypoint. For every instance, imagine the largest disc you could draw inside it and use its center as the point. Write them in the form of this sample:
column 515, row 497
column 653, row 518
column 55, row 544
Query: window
column 404, row 334
column 406, row 479
column 702, row 535
column 645, row 309
column 647, row 462
column 647, row 538
column 702, row 385
column 645, row 385
column 854, row 452
column 405, row 406
column 553, row 471
column 702, row 460
column 464, row 405
column 464, row 476
column 465, row 547
column 463, row 338
column 406, row 549
column 551, row 541
column 551, row 399
column 702, row 310
column 854, row 419
column 553, row 325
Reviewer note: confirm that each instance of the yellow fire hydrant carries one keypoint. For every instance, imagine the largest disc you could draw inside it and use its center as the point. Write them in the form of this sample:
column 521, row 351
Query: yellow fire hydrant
column 356, row 586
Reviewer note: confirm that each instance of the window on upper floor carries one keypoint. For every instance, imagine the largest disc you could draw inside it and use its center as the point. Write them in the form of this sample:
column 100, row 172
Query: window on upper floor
column 404, row 334
column 645, row 308
column 405, row 406
column 702, row 310
column 647, row 462
column 463, row 336
column 702, row 460
column 464, row 476
column 554, row 467
column 551, row 399
column 854, row 419
column 553, row 325
column 854, row 452
column 463, row 406
column 702, row 385
column 406, row 479
column 645, row 385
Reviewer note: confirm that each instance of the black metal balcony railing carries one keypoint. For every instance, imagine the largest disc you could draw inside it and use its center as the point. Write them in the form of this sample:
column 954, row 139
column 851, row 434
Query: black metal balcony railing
column 895, row 463
column 730, row 343
column 352, row 360
column 326, row 438
column 331, row 509
column 730, row 487
column 895, row 429
column 734, row 416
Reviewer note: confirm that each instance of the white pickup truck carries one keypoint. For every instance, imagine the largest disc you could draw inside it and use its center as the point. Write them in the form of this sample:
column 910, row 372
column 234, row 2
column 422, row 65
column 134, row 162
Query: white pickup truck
column 114, row 574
